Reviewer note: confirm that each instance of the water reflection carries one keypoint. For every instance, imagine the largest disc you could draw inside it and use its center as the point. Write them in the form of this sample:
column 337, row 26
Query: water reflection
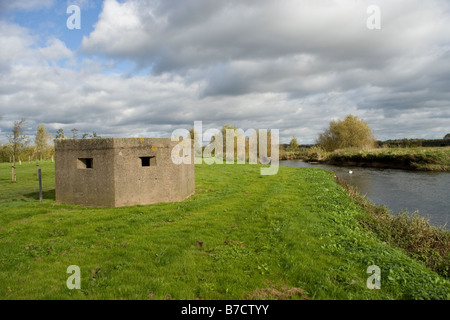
column 426, row 192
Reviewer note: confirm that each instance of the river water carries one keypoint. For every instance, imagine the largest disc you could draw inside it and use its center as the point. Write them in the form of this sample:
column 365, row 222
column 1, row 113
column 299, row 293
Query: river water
column 426, row 192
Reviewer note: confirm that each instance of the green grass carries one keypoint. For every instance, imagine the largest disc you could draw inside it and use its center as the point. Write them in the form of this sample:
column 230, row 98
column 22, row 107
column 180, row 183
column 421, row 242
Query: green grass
column 27, row 185
column 412, row 233
column 294, row 235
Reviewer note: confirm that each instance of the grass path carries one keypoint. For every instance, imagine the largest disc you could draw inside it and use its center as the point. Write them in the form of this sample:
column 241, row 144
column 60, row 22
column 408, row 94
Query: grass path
column 294, row 235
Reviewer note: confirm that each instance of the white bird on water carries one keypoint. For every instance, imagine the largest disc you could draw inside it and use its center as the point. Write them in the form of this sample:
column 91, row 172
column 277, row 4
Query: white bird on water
column 350, row 171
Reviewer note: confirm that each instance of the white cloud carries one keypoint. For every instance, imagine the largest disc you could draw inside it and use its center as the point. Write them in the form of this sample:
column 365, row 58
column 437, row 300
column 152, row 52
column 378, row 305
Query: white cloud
column 14, row 41
column 121, row 21
column 288, row 65
column 55, row 50
column 25, row 4
column 190, row 34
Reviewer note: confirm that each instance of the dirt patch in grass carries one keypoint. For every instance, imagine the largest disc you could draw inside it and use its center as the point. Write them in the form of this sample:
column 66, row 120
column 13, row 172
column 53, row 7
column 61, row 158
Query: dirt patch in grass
column 283, row 293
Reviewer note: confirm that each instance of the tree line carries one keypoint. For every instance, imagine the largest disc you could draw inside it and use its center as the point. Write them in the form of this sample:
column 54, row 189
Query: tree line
column 352, row 132
column 60, row 134
column 348, row 133
column 20, row 147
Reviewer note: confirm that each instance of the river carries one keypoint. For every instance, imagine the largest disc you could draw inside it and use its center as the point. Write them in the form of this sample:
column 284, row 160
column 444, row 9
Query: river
column 426, row 192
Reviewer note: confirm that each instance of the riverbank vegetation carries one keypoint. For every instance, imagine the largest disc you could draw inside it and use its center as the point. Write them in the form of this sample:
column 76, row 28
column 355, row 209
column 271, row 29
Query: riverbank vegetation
column 420, row 158
column 350, row 142
column 412, row 233
column 293, row 235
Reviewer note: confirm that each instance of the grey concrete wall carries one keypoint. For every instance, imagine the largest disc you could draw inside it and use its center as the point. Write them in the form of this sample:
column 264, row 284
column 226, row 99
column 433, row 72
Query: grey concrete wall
column 87, row 187
column 118, row 177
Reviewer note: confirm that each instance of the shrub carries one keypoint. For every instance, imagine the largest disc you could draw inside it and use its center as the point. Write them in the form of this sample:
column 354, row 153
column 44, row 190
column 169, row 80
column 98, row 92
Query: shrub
column 348, row 133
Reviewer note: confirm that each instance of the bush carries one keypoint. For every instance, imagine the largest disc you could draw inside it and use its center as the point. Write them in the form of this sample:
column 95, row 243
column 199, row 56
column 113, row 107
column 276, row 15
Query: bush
column 316, row 154
column 348, row 133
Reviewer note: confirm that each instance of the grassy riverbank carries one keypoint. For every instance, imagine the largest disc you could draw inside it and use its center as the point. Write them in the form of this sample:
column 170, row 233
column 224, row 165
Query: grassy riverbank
column 412, row 233
column 420, row 158
column 294, row 235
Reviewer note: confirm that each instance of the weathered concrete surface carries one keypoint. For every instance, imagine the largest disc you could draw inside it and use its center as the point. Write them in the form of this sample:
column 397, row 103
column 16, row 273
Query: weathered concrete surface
column 117, row 177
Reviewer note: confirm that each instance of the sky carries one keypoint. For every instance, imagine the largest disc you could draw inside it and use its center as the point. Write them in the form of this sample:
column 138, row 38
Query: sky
column 140, row 68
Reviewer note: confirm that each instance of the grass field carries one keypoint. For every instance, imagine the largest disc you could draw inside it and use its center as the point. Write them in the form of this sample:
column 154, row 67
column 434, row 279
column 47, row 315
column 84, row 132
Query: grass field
column 294, row 235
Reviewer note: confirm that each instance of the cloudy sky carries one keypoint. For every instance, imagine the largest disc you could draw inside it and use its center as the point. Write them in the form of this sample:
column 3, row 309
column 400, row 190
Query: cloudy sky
column 140, row 68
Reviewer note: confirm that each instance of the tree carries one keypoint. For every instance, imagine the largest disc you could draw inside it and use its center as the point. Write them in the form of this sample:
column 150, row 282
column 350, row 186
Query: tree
column 447, row 136
column 41, row 142
column 293, row 144
column 348, row 133
column 196, row 143
column 92, row 135
column 60, row 134
column 5, row 154
column 74, row 133
column 18, row 140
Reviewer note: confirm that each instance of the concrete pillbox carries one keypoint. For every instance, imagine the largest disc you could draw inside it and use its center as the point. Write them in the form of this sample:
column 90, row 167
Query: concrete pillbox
column 116, row 172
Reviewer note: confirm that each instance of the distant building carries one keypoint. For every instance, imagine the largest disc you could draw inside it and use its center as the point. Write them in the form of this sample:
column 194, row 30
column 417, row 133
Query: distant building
column 120, row 172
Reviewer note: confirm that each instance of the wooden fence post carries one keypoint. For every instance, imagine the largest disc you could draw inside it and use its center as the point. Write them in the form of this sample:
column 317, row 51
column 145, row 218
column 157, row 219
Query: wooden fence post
column 40, row 185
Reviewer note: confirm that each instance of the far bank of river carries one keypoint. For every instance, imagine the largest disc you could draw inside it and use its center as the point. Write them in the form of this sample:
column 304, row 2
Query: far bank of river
column 436, row 159
column 426, row 192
